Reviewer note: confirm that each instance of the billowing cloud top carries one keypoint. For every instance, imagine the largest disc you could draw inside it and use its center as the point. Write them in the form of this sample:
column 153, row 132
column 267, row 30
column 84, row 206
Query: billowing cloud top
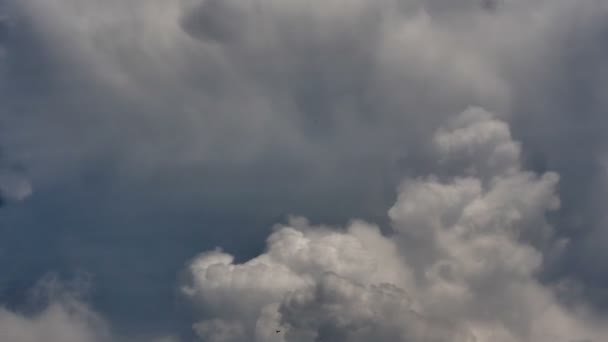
column 135, row 135
column 457, row 266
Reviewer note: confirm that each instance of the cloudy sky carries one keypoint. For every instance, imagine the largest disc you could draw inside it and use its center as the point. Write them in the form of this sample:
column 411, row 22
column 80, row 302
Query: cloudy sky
column 303, row 170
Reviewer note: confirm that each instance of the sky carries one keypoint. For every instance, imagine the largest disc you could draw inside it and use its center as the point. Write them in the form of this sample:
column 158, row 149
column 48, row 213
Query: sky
column 299, row 171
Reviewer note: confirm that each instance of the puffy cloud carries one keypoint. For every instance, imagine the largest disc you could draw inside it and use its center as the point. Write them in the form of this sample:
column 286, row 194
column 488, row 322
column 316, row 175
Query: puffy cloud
column 65, row 320
column 58, row 312
column 148, row 121
column 59, row 322
column 64, row 317
column 252, row 295
column 474, row 136
column 460, row 265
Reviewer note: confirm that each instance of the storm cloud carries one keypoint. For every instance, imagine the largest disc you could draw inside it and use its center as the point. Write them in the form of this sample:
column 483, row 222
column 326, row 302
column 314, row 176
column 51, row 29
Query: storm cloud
column 137, row 134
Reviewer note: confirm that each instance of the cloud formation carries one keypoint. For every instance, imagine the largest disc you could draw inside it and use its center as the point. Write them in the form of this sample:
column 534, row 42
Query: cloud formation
column 59, row 322
column 458, row 266
column 64, row 317
column 59, row 312
column 154, row 129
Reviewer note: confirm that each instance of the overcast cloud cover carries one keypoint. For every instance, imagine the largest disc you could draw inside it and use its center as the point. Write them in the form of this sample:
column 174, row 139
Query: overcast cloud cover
column 350, row 170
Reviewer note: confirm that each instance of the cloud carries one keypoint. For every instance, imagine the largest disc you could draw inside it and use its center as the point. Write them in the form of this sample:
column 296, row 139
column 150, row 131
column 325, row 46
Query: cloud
column 282, row 78
column 153, row 129
column 458, row 265
column 58, row 311
column 63, row 318
column 57, row 323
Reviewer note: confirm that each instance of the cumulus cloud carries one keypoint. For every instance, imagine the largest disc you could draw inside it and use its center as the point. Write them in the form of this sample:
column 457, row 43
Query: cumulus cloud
column 57, row 311
column 63, row 318
column 60, row 322
column 459, row 264
column 154, row 129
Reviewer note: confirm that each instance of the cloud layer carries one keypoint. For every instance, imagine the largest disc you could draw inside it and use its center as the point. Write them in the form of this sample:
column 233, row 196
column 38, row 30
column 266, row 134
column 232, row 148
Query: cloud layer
column 59, row 314
column 459, row 265
column 154, row 129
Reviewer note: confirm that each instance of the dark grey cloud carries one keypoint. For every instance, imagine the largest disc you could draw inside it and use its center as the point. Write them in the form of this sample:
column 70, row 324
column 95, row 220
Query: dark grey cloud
column 153, row 130
column 559, row 117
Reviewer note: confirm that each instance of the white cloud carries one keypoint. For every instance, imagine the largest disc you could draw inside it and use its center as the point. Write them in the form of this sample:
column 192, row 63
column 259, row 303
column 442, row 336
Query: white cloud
column 460, row 265
column 65, row 320
column 341, row 91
